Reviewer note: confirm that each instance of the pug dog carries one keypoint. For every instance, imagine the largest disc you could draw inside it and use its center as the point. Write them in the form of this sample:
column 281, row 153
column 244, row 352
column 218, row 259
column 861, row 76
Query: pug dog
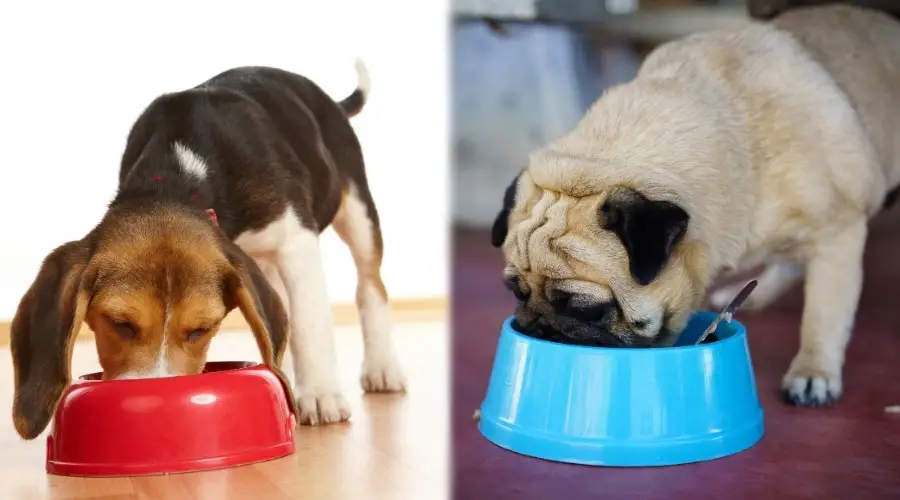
column 769, row 145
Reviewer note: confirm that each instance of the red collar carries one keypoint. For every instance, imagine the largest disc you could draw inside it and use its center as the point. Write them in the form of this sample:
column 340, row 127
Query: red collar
column 212, row 215
column 209, row 211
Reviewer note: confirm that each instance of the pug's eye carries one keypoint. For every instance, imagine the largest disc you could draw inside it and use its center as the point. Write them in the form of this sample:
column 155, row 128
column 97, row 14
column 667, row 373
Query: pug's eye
column 610, row 216
column 560, row 299
column 124, row 329
column 196, row 334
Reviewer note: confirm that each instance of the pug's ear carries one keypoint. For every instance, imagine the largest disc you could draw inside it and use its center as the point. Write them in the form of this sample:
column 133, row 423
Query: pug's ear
column 501, row 223
column 648, row 229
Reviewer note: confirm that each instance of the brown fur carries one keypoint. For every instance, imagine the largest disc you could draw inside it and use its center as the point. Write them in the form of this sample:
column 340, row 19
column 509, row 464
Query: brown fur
column 165, row 273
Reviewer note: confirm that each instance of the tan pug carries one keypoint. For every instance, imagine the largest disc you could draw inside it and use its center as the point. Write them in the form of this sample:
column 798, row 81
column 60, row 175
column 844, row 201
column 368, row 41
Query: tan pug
column 769, row 144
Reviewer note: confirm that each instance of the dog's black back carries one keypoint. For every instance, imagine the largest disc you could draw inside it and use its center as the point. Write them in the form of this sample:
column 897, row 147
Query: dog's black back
column 268, row 138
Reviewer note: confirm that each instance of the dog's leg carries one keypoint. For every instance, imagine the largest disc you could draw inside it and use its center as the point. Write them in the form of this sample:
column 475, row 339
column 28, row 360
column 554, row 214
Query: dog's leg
column 776, row 279
column 299, row 262
column 357, row 224
column 833, row 285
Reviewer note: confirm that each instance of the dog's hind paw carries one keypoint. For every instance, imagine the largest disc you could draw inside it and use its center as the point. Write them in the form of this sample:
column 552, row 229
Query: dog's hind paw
column 316, row 409
column 382, row 376
column 809, row 383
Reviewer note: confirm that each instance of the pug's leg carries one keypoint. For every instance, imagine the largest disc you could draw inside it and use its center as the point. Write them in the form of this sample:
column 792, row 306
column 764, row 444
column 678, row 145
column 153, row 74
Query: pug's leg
column 833, row 285
column 776, row 279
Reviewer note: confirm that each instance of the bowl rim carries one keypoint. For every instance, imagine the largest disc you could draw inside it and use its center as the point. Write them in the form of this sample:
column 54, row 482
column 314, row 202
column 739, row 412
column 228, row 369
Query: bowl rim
column 182, row 383
column 245, row 366
column 740, row 331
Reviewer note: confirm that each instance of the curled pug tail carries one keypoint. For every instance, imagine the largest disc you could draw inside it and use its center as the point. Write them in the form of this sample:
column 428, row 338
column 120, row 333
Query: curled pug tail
column 354, row 103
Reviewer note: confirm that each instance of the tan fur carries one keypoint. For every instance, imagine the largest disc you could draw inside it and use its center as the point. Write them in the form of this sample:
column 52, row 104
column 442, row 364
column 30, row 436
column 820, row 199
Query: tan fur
column 163, row 281
column 366, row 255
column 169, row 278
column 779, row 140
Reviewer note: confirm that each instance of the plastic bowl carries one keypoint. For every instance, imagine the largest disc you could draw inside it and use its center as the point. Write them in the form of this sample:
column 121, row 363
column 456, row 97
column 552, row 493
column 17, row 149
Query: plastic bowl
column 624, row 407
column 235, row 413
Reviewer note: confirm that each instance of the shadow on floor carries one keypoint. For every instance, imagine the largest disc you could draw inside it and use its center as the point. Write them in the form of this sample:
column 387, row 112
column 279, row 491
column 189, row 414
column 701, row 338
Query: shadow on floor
column 852, row 448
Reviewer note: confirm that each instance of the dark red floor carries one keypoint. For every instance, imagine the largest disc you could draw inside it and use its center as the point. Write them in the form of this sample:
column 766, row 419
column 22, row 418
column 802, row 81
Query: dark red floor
column 851, row 449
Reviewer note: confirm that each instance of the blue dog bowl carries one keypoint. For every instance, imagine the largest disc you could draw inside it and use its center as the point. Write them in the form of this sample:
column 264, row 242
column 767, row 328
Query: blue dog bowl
column 624, row 407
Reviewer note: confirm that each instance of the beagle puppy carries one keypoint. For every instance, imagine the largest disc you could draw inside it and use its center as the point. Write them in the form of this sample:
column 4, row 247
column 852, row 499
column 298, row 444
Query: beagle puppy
column 223, row 192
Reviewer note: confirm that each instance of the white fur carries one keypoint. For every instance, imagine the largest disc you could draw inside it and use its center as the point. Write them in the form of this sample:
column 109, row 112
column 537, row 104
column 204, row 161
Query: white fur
column 381, row 369
column 160, row 368
column 190, row 162
column 363, row 82
column 294, row 251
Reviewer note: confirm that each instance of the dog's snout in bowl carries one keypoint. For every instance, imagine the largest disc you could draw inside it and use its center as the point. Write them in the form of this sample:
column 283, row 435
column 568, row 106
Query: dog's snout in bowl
column 591, row 325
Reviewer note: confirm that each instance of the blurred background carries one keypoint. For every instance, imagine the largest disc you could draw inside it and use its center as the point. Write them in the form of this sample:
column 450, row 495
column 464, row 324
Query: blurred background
column 523, row 72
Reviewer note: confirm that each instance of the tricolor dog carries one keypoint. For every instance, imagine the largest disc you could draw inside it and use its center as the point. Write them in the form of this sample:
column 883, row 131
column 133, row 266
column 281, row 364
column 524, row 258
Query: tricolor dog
column 223, row 192
column 771, row 144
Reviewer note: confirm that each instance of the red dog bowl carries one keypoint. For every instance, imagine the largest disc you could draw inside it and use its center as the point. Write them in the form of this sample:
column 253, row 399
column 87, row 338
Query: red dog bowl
column 235, row 413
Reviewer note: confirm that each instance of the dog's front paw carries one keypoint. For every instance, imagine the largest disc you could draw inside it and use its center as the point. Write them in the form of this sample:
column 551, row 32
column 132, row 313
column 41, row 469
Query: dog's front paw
column 324, row 408
column 812, row 381
column 382, row 375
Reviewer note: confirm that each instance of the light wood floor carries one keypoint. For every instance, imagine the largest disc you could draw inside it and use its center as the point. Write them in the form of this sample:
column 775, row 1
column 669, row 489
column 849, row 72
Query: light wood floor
column 395, row 447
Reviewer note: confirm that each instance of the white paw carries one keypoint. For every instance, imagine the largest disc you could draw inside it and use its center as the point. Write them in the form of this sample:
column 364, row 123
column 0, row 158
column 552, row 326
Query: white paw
column 812, row 381
column 382, row 375
column 326, row 408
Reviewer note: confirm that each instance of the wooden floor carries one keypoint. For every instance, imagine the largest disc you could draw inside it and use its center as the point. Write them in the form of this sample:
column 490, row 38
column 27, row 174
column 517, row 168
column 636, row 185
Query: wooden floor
column 394, row 448
column 850, row 450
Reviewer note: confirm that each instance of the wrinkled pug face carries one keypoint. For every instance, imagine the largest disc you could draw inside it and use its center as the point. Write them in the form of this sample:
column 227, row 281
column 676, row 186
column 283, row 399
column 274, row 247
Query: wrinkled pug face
column 606, row 269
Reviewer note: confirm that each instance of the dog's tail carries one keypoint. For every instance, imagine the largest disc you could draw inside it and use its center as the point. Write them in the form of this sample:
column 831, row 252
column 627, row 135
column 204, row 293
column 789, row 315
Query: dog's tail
column 355, row 102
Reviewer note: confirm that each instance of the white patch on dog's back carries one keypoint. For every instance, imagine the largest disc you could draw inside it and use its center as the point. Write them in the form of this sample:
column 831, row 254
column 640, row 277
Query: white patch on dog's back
column 190, row 162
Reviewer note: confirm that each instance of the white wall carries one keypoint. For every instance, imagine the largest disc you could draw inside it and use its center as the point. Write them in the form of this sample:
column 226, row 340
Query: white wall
column 75, row 75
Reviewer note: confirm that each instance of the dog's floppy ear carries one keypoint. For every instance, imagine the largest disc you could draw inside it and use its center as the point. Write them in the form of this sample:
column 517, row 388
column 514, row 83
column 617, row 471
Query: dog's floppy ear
column 501, row 223
column 46, row 322
column 648, row 229
column 247, row 289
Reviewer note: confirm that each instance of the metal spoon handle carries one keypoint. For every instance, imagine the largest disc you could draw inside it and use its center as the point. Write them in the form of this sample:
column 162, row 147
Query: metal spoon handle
column 729, row 310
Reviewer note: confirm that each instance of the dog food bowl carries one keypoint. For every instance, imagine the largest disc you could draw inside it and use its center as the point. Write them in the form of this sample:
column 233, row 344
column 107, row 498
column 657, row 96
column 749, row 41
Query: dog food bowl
column 624, row 407
column 235, row 413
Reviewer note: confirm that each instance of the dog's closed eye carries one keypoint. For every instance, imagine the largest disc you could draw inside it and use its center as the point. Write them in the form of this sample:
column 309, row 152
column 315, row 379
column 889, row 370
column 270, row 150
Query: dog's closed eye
column 514, row 284
column 125, row 329
column 196, row 334
column 560, row 299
